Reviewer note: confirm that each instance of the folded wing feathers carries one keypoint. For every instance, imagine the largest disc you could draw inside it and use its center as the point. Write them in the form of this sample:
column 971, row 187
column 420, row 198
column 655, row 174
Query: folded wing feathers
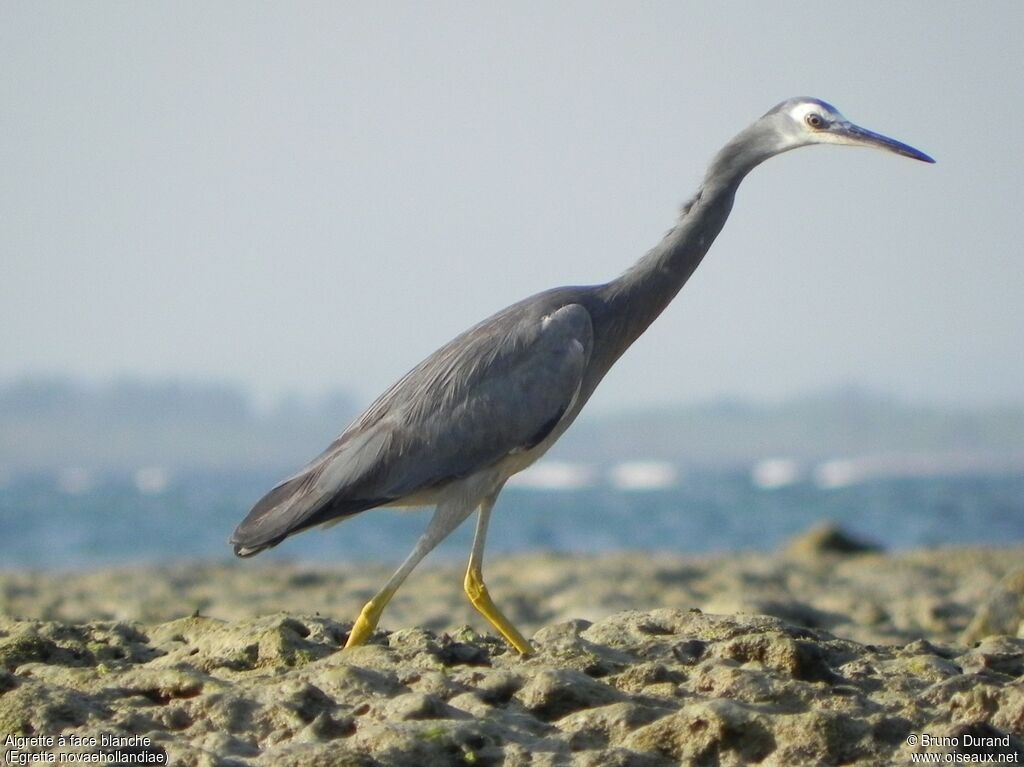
column 471, row 402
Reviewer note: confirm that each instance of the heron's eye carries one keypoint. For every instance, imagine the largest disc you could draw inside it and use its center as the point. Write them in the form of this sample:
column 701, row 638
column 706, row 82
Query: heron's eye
column 815, row 120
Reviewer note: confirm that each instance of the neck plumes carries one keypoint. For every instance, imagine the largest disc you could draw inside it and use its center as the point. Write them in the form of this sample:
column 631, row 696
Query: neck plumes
column 639, row 295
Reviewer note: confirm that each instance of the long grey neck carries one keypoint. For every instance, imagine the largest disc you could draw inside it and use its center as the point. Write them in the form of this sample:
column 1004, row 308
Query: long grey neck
column 635, row 299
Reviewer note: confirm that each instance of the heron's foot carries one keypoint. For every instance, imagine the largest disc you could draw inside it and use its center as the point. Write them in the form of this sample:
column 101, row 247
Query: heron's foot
column 476, row 590
column 365, row 624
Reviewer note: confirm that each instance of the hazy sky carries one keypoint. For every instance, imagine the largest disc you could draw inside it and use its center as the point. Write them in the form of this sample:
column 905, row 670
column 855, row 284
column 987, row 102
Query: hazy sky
column 305, row 196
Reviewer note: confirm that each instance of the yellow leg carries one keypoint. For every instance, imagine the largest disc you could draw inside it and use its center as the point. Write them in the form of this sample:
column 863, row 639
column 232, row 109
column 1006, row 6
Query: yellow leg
column 476, row 590
column 366, row 623
column 446, row 518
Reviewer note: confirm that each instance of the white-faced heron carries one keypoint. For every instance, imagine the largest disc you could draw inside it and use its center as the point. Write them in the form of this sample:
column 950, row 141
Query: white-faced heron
column 490, row 402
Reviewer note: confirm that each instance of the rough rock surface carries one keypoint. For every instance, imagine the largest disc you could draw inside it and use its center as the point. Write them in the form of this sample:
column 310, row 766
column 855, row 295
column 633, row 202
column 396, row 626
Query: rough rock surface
column 659, row 686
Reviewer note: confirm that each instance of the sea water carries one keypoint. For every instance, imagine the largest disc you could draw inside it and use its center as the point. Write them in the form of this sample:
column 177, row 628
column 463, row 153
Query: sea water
column 79, row 521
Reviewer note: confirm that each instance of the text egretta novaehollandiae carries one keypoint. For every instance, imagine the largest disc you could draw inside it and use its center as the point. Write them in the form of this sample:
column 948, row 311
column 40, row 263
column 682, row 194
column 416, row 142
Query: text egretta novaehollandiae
column 489, row 403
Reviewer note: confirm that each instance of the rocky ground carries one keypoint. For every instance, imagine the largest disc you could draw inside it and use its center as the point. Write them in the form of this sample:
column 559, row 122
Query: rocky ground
column 824, row 653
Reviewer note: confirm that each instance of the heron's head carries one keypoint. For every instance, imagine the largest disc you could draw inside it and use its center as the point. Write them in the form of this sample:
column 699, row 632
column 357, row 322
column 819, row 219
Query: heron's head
column 804, row 121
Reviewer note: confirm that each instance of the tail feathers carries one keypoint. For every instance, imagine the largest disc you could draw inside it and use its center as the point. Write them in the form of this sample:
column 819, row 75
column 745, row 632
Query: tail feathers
column 291, row 507
column 271, row 519
column 242, row 550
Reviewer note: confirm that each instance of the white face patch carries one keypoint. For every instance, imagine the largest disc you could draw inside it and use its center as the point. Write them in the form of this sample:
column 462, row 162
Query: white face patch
column 800, row 110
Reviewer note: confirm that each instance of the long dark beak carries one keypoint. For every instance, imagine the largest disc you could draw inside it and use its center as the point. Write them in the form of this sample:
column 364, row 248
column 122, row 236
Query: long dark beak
column 854, row 134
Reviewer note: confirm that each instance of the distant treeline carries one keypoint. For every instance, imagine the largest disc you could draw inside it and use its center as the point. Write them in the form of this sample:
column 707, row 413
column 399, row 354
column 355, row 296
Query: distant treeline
column 56, row 423
column 838, row 423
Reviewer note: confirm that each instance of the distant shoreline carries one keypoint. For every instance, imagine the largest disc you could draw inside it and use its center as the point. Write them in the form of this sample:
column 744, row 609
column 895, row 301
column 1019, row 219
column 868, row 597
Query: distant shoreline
column 59, row 424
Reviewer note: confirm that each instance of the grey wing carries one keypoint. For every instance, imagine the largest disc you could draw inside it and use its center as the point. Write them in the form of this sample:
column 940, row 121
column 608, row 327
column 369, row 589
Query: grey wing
column 497, row 389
